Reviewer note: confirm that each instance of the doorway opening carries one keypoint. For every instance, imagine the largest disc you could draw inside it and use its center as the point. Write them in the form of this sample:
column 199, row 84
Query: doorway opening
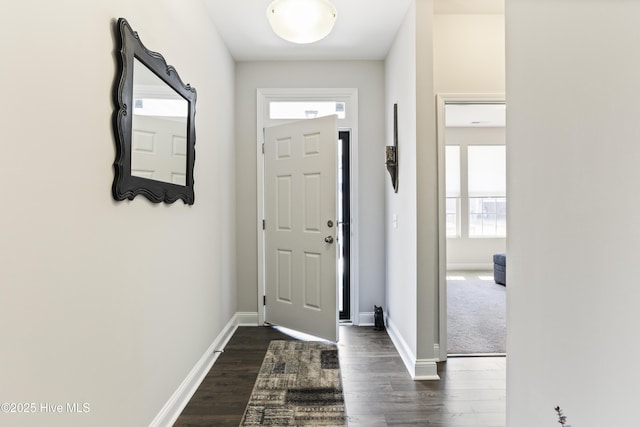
column 472, row 147
column 280, row 106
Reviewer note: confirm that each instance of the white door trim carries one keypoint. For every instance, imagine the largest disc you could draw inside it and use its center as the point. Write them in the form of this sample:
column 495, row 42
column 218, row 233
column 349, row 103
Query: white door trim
column 441, row 100
column 350, row 122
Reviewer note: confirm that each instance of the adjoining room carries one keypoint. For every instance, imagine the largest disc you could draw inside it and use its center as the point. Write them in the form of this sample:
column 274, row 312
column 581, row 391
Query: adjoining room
column 476, row 228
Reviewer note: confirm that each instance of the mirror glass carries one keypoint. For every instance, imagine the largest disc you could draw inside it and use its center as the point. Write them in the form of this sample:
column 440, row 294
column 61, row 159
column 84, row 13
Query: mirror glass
column 158, row 130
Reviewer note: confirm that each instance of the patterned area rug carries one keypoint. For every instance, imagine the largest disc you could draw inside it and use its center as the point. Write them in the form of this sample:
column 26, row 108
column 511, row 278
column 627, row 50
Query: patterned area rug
column 298, row 385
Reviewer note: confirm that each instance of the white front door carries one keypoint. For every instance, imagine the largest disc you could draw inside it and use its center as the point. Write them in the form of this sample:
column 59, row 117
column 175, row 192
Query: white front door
column 300, row 226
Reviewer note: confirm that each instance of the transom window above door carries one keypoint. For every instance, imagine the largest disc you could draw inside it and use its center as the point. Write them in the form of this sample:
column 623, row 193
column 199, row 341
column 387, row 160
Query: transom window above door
column 295, row 110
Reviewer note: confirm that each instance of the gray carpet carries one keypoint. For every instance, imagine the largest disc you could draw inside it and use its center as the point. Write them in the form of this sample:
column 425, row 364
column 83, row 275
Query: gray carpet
column 476, row 314
column 298, row 384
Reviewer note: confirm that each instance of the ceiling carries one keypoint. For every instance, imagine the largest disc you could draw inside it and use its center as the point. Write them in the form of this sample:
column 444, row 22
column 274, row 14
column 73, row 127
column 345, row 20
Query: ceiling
column 364, row 30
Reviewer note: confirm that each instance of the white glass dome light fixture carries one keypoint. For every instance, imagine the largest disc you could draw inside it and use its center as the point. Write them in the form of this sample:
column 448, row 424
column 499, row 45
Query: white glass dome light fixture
column 302, row 21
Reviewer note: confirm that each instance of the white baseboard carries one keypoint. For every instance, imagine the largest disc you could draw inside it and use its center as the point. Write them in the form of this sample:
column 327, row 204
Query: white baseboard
column 247, row 318
column 470, row 266
column 426, row 369
column 419, row 369
column 177, row 402
column 365, row 319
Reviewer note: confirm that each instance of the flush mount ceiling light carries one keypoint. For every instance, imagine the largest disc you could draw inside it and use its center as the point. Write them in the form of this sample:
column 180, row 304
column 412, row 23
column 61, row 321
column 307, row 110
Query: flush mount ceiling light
column 301, row 21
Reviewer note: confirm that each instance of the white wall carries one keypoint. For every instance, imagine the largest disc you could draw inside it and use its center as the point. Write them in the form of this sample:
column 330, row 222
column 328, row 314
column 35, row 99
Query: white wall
column 411, row 213
column 368, row 78
column 468, row 53
column 400, row 208
column 427, row 192
column 104, row 302
column 572, row 131
column 469, row 58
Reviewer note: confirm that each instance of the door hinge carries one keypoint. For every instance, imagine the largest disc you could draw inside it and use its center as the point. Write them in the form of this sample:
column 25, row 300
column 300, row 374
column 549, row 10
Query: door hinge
column 264, row 224
column 264, row 300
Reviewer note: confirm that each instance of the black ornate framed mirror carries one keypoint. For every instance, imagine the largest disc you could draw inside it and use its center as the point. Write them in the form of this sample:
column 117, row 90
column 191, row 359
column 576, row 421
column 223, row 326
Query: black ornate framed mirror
column 153, row 124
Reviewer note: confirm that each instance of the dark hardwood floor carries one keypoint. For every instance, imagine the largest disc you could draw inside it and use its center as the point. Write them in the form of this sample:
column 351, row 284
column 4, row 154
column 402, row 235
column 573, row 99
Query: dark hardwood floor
column 378, row 390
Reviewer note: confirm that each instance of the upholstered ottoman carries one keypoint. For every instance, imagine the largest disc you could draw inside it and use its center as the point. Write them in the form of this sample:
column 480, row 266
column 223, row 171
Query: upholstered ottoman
column 500, row 268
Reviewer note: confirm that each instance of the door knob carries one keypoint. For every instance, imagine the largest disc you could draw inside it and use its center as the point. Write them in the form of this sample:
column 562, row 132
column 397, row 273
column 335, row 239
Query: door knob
column 328, row 239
